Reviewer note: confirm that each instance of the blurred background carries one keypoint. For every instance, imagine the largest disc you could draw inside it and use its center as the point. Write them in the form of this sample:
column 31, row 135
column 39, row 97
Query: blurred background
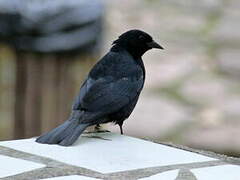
column 192, row 91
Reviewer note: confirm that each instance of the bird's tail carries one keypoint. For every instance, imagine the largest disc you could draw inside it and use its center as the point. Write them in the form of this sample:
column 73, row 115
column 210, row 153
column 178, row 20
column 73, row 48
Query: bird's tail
column 65, row 134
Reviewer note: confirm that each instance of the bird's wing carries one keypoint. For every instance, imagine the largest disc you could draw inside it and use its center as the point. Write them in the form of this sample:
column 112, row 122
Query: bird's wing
column 110, row 96
column 106, row 96
column 112, row 69
column 99, row 74
column 83, row 90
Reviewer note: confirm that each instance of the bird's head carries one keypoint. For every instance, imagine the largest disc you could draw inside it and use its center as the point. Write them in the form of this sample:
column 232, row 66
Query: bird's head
column 136, row 42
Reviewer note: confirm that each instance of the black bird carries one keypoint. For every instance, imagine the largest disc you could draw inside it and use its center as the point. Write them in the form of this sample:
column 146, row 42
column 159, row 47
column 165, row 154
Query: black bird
column 111, row 90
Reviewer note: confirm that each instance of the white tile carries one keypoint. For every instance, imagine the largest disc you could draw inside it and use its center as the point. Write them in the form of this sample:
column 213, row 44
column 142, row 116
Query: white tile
column 74, row 177
column 118, row 153
column 224, row 172
column 168, row 175
column 12, row 166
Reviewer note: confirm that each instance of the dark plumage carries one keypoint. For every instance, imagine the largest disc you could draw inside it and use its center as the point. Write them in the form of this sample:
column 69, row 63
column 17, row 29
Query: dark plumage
column 111, row 90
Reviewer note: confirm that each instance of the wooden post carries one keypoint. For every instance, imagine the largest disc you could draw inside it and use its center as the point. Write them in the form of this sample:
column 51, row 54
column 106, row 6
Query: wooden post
column 46, row 86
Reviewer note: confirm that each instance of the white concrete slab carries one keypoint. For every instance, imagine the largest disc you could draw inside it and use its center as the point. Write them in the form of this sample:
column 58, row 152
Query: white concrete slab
column 74, row 177
column 11, row 166
column 168, row 175
column 117, row 153
column 224, row 172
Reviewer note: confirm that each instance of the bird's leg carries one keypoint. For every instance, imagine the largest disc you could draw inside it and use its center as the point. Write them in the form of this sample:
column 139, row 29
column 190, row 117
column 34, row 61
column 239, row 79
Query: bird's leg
column 120, row 125
column 98, row 129
column 95, row 129
column 121, row 130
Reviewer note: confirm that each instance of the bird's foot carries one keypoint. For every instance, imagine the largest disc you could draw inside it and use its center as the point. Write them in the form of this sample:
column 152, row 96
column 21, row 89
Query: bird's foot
column 102, row 131
column 99, row 129
column 96, row 129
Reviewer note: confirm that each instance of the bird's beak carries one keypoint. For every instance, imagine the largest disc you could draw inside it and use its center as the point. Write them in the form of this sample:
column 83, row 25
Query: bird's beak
column 153, row 44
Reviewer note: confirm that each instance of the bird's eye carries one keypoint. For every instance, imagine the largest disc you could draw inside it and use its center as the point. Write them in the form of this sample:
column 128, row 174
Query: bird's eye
column 141, row 37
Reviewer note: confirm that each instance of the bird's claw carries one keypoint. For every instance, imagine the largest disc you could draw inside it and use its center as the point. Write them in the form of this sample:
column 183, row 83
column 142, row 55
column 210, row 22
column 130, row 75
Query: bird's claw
column 97, row 131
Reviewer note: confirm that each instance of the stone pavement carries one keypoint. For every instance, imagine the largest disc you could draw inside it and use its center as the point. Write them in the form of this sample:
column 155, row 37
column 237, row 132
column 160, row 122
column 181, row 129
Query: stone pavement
column 112, row 156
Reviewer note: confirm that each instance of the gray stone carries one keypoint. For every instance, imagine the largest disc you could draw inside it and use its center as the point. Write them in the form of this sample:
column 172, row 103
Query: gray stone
column 173, row 68
column 228, row 61
column 230, row 108
column 73, row 177
column 218, row 138
column 204, row 89
column 185, row 174
column 227, row 29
